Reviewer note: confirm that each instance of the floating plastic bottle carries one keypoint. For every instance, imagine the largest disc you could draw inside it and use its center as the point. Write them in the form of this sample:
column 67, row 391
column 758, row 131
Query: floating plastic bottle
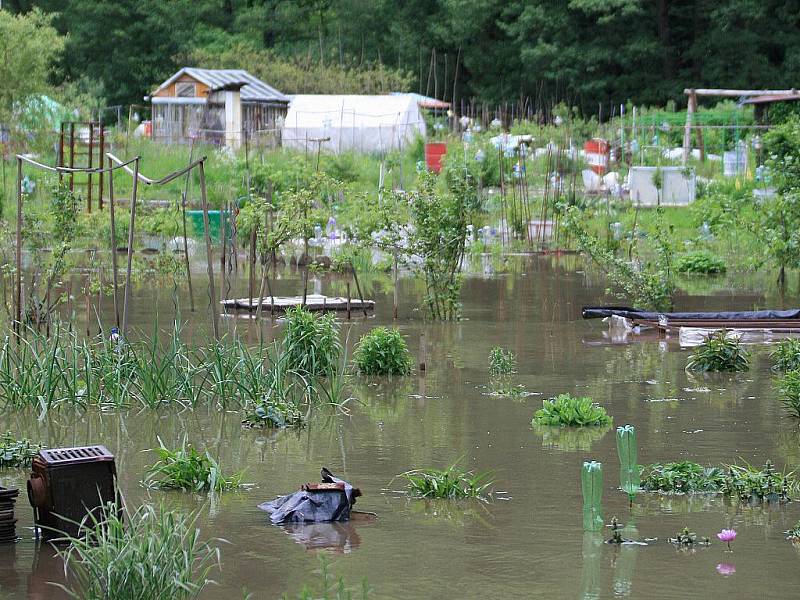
column 592, row 486
column 629, row 478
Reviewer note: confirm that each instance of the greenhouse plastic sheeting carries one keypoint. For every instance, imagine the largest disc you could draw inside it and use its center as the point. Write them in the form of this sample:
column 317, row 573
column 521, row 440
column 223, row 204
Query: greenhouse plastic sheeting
column 599, row 312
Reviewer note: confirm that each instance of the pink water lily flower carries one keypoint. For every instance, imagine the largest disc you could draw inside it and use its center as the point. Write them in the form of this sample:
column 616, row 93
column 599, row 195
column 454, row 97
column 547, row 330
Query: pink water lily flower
column 727, row 536
column 726, row 569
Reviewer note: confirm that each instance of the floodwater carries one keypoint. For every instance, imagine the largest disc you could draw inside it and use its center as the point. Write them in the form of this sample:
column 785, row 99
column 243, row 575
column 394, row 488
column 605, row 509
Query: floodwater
column 526, row 542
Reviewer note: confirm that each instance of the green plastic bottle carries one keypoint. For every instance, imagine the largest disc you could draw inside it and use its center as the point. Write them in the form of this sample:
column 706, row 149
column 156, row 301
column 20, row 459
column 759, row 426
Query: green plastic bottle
column 629, row 478
column 592, row 486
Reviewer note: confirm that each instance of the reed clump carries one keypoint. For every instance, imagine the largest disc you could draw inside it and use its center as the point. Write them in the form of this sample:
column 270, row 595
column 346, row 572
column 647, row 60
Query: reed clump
column 452, row 483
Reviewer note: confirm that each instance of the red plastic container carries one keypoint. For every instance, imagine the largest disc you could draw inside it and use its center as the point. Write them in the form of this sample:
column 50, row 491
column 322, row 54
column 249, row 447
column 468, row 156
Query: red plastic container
column 434, row 151
column 596, row 155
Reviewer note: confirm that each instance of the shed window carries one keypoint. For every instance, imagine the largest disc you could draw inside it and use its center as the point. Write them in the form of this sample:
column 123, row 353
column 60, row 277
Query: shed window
column 185, row 90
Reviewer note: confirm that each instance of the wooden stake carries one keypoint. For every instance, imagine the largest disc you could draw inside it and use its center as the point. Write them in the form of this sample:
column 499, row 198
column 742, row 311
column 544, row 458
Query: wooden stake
column 358, row 289
column 18, row 323
column 209, row 258
column 114, row 267
column 185, row 240
column 423, row 351
column 305, row 286
column 348, row 300
column 131, row 229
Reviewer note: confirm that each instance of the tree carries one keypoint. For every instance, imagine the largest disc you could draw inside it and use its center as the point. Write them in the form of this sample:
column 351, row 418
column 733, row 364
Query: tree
column 29, row 45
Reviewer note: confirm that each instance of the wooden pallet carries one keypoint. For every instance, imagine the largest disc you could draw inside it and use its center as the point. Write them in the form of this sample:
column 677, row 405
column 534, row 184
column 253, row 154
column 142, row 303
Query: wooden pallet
column 314, row 302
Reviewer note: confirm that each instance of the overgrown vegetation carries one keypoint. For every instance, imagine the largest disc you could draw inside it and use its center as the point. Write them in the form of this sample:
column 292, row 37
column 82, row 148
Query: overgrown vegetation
column 187, row 469
column 147, row 554
column 702, row 262
column 789, row 392
column 311, row 342
column 330, row 587
column 501, row 362
column 17, row 453
column 451, row 483
column 720, row 351
column 786, row 355
column 566, row 410
column 682, row 477
column 382, row 351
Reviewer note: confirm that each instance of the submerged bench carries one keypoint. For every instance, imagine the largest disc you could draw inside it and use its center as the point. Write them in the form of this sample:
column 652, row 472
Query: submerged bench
column 313, row 302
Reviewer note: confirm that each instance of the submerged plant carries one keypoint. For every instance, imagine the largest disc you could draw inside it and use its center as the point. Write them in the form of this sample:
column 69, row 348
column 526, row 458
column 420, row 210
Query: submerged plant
column 501, row 362
column 330, row 587
column 789, row 392
column 382, row 351
column 786, row 355
column 748, row 483
column 311, row 342
column 148, row 554
column 682, row 477
column 568, row 411
column 17, row 453
column 793, row 534
column 687, row 538
column 451, row 483
column 702, row 262
column 719, row 352
column 188, row 469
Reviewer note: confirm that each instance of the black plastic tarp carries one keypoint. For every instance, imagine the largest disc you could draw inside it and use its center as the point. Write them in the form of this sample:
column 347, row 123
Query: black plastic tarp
column 313, row 506
column 599, row 312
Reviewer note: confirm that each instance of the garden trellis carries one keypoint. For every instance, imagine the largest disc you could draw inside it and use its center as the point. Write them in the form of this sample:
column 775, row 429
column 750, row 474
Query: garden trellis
column 114, row 164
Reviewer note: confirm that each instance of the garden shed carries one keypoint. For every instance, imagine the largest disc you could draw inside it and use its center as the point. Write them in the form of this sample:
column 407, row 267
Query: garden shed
column 339, row 123
column 216, row 105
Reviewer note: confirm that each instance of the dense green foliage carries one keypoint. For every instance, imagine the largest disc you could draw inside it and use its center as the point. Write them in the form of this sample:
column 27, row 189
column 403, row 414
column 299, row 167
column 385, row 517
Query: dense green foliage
column 719, row 352
column 311, row 342
column 382, row 351
column 17, row 453
column 786, row 355
column 582, row 52
column 568, row 411
column 501, row 362
column 451, row 483
column 187, row 469
column 149, row 554
column 700, row 261
column 789, row 392
column 682, row 477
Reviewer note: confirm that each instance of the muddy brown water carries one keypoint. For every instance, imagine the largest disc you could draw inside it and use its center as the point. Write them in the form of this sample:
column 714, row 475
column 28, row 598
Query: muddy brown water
column 528, row 541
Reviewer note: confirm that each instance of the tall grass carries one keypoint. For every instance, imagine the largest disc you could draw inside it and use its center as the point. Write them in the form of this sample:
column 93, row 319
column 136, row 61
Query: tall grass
column 148, row 554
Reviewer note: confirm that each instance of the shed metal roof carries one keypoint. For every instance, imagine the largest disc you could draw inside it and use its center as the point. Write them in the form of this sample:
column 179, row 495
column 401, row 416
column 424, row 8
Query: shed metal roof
column 254, row 89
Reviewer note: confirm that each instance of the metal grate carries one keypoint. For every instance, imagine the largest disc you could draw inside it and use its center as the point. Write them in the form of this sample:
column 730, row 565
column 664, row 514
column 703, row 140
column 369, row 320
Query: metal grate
column 82, row 454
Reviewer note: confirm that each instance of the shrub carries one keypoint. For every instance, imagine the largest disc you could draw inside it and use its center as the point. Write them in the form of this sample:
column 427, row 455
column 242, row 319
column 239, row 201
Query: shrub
column 17, row 453
column 311, row 342
column 501, row 362
column 382, row 351
column 188, row 469
column 682, row 477
column 789, row 390
column 786, row 355
column 451, row 483
column 700, row 261
column 145, row 555
column 719, row 352
column 568, row 411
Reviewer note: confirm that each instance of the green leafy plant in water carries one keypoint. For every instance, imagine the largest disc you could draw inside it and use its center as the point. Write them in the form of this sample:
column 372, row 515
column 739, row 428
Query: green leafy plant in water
column 719, row 352
column 748, row 483
column 687, row 538
column 793, row 534
column 382, row 351
column 786, row 355
column 188, row 469
column 702, row 262
column 147, row 554
column 331, row 587
column 789, row 392
column 566, row 410
column 682, row 477
column 311, row 342
column 17, row 453
column 450, row 483
column 501, row 362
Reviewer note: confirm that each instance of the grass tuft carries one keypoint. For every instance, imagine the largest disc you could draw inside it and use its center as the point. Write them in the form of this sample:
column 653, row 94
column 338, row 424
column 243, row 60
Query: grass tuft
column 451, row 483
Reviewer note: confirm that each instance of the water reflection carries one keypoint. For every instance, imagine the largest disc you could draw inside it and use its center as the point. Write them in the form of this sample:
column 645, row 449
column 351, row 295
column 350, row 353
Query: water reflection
column 340, row 537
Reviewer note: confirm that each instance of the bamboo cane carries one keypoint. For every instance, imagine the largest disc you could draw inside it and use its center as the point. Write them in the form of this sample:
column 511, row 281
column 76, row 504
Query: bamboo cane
column 209, row 258
column 131, row 229
column 114, row 266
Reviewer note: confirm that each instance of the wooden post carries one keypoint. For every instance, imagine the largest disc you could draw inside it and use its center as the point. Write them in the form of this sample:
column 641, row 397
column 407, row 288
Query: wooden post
column 691, row 107
column 348, row 300
column 71, row 155
column 131, row 229
column 358, row 289
column 223, row 217
column 100, row 162
column 114, row 267
column 18, row 299
column 423, row 352
column 209, row 257
column 252, row 275
column 185, row 240
column 89, row 164
column 394, row 300
column 305, row 286
column 60, row 160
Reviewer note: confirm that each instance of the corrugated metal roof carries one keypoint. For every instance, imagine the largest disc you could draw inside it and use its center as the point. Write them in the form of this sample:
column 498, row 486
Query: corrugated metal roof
column 255, row 90
column 770, row 98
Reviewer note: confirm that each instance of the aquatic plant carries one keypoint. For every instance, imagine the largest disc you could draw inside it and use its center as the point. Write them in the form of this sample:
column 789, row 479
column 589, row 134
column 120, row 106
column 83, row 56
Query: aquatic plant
column 311, row 342
column 568, row 411
column 789, row 392
column 727, row 536
column 188, row 469
column 701, row 261
column 330, row 587
column 147, row 554
column 748, row 483
column 687, row 538
column 17, row 453
column 682, row 477
column 719, row 352
column 793, row 534
column 501, row 362
column 451, row 483
column 382, row 351
column 786, row 355
column 592, row 490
